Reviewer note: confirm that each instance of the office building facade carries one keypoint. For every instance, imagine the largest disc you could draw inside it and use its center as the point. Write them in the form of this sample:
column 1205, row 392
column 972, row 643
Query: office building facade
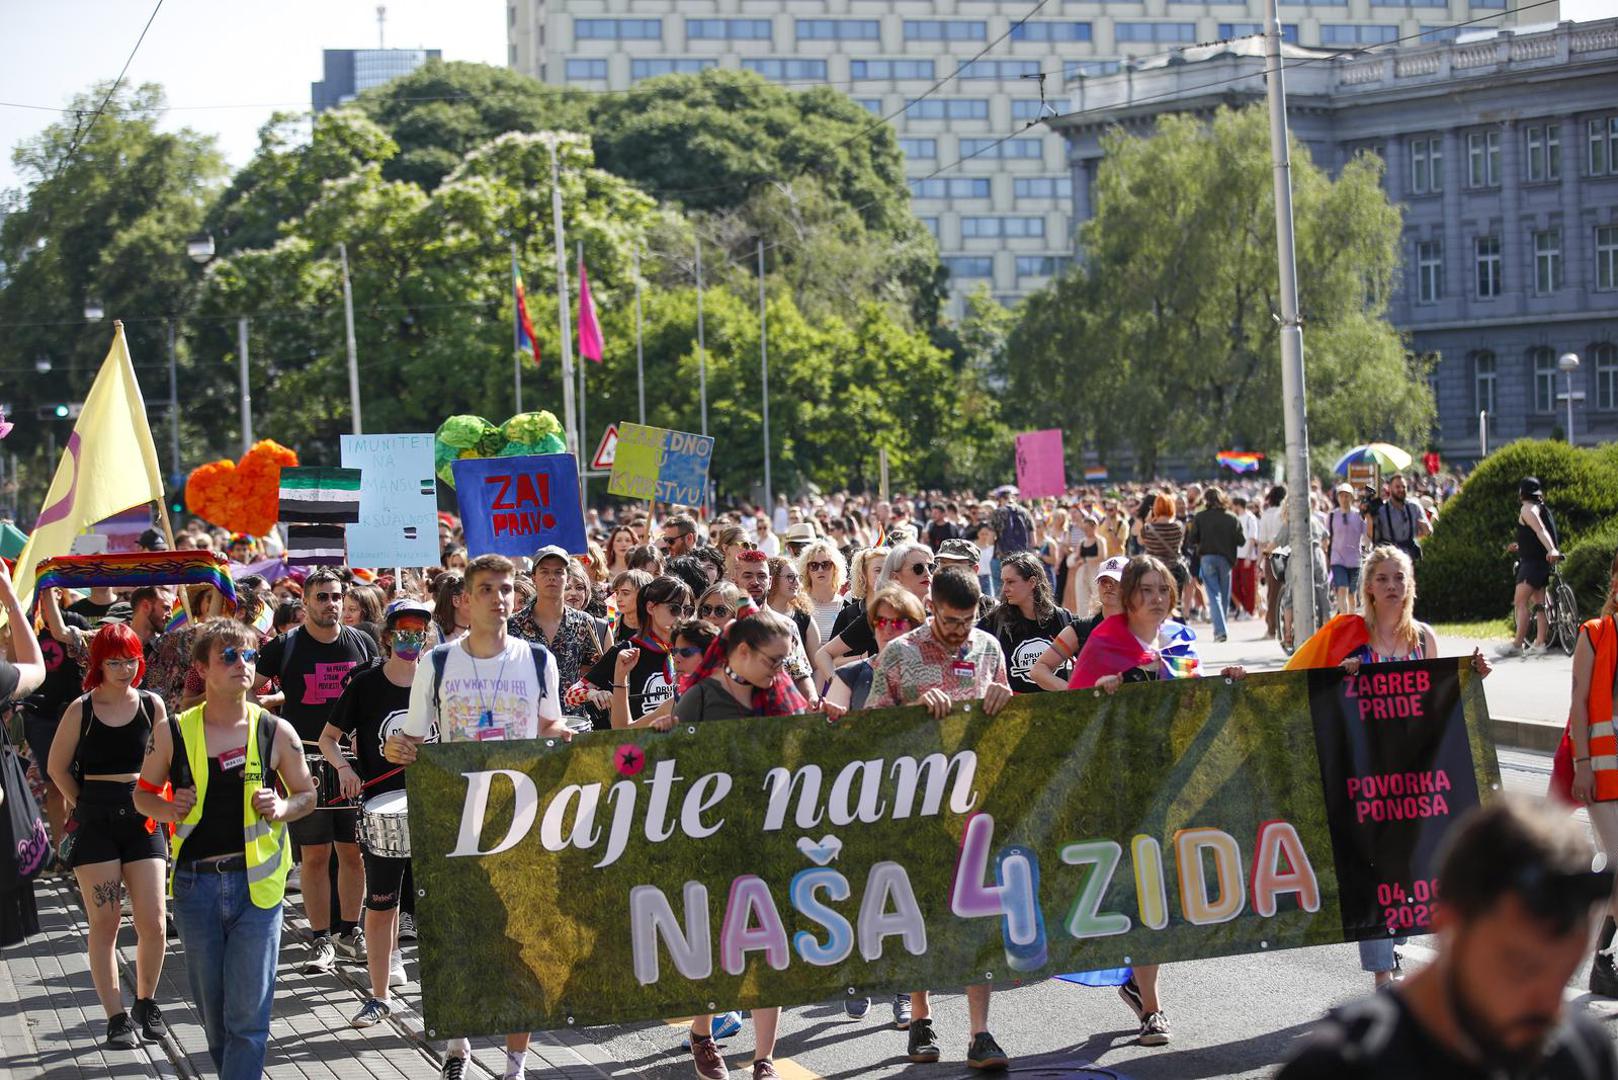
column 348, row 71
column 1502, row 150
column 1002, row 215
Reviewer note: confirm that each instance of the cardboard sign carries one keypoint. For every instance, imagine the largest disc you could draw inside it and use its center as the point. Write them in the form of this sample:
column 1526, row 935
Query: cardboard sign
column 657, row 463
column 515, row 505
column 398, row 524
column 1040, row 471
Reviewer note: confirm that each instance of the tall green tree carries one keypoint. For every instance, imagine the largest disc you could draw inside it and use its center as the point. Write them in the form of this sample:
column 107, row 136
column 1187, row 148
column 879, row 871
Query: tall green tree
column 1164, row 341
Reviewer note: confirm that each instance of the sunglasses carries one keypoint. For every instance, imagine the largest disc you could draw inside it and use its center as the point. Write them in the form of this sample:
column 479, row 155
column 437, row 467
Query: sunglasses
column 922, row 569
column 329, row 597
column 682, row 611
column 710, row 611
column 895, row 624
column 686, row 652
column 776, row 662
column 232, row 654
column 817, row 566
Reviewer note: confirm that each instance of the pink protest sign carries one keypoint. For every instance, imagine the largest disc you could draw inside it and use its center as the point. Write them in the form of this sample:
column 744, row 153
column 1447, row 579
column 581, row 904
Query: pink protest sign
column 1040, row 473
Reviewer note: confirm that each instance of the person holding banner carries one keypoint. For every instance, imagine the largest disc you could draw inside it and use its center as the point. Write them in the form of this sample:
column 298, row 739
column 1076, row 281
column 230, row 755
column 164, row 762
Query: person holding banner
column 1142, row 644
column 660, row 606
column 1049, row 669
column 1027, row 621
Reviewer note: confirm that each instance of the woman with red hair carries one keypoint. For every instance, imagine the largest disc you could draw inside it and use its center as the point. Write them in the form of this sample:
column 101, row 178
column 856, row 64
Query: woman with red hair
column 95, row 761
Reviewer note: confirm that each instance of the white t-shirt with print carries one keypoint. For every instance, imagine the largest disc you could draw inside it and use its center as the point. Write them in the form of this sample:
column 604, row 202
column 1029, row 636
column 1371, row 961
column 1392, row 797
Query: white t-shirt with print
column 496, row 697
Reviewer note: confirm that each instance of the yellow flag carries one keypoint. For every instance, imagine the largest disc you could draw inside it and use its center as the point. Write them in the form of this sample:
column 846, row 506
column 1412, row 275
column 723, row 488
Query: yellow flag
column 109, row 466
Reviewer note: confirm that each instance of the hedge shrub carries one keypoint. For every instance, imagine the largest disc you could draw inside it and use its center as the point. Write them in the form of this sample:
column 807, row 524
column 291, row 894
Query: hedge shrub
column 1465, row 570
column 1589, row 566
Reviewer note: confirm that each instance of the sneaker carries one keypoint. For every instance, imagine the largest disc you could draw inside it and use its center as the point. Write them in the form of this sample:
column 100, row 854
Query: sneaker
column 121, row 1033
column 321, row 956
column 1220, row 639
column 396, row 971
column 857, row 1008
column 454, row 1069
column 295, row 879
column 727, row 1025
column 1603, row 975
column 407, row 926
column 985, row 1053
column 150, row 1018
column 1130, row 992
column 373, row 1012
column 351, row 945
column 923, row 1044
column 901, row 1011
column 1509, row 649
column 1154, row 1030
column 705, row 1058
column 1536, row 649
column 765, row 1070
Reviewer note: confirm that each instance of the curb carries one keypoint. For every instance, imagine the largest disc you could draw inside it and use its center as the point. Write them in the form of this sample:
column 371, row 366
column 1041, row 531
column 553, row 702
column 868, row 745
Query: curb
column 1520, row 734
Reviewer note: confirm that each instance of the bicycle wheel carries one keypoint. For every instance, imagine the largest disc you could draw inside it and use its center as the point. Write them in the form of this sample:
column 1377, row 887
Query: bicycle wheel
column 1565, row 618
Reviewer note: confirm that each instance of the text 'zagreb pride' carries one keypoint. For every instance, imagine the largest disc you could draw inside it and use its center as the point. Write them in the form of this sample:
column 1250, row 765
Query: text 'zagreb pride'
column 631, row 876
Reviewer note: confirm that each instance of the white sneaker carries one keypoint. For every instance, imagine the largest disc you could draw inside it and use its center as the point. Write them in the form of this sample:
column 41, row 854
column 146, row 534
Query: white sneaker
column 396, row 971
column 295, row 879
column 351, row 945
column 321, row 957
column 1536, row 650
column 1511, row 648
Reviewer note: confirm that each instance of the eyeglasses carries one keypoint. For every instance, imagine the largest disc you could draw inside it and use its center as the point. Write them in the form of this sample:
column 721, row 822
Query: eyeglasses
column 776, row 662
column 896, row 624
column 922, row 569
column 686, row 652
column 329, row 597
column 682, row 611
column 125, row 663
column 713, row 611
column 232, row 654
column 817, row 565
column 953, row 622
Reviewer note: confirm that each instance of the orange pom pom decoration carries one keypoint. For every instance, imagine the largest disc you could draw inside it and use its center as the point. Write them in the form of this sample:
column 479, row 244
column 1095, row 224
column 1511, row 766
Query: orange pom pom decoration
column 242, row 497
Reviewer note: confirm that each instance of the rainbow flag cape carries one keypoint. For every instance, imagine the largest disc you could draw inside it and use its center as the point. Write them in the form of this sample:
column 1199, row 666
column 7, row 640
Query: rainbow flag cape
column 131, row 570
column 1111, row 650
column 1331, row 644
column 1242, row 461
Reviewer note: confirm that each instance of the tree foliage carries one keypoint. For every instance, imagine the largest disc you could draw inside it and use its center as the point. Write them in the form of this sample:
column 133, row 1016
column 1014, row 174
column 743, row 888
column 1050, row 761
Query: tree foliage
column 1164, row 341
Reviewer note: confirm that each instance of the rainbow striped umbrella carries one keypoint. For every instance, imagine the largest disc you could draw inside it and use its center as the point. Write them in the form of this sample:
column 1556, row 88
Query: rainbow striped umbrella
column 1387, row 457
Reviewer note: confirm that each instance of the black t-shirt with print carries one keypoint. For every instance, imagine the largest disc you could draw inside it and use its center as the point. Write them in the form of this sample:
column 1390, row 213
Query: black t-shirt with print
column 64, row 678
column 371, row 709
column 1024, row 641
column 850, row 625
column 314, row 680
column 651, row 680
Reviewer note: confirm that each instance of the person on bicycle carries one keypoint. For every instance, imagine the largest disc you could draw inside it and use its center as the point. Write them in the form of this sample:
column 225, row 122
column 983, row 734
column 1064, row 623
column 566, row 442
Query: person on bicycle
column 1536, row 551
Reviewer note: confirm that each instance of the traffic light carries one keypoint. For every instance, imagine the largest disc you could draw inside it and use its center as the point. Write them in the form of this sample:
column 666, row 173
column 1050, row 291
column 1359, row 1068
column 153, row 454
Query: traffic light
column 60, row 410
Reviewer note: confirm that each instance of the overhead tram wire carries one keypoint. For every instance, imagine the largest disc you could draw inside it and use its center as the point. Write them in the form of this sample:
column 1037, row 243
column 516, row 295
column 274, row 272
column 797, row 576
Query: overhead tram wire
column 81, row 132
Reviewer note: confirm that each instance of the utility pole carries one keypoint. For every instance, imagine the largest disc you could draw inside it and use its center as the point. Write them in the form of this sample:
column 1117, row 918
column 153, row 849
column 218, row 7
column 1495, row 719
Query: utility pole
column 764, row 377
column 702, row 347
column 174, row 408
column 1292, row 372
column 348, row 329
column 569, row 422
column 516, row 328
column 246, row 390
column 640, row 353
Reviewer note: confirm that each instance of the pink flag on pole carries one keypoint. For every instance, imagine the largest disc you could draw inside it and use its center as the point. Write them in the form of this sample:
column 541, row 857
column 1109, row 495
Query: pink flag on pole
column 589, row 328
column 1040, row 471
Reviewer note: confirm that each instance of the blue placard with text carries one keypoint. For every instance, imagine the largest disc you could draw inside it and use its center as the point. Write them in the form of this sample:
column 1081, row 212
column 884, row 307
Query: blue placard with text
column 515, row 505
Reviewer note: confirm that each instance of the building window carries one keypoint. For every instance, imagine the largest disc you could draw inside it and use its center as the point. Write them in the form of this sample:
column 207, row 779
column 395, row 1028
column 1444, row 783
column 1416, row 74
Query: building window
column 946, row 30
column 618, row 29
column 930, row 224
column 948, row 109
column 1605, row 357
column 998, row 69
column 728, row 29
column 970, row 266
column 1426, row 166
column 977, row 228
column 1084, row 69
column 783, row 70
column 511, row 55
column 1227, row 31
column 1542, row 365
column 1042, row 187
column 839, row 30
column 1409, row 3
column 919, row 148
column 511, row 15
column 1028, row 109
column 1049, row 30
column 585, row 70
column 1602, row 140
column 1429, row 271
column 870, row 104
column 1544, row 152
column 1489, row 3
column 1607, row 258
column 1486, row 253
column 652, row 67
column 959, row 187
column 1430, row 34
column 1157, row 33
column 1040, row 265
column 1357, row 33
column 1483, row 159
column 1547, row 261
column 890, row 69
column 1483, row 377
column 1002, row 148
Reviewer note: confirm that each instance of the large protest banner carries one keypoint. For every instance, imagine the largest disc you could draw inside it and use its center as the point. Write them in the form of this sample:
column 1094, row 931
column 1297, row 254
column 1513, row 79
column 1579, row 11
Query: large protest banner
column 517, row 505
column 398, row 523
column 736, row 864
column 661, row 464
column 1041, row 472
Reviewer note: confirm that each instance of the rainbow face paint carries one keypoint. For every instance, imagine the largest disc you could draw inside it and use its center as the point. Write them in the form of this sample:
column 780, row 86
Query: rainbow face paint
column 407, row 644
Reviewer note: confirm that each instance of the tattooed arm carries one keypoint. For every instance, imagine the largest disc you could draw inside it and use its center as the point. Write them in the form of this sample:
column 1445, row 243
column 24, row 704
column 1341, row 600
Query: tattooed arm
column 286, row 758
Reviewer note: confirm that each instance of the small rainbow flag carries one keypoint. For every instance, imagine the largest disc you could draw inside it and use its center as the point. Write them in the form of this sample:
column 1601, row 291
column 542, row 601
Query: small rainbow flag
column 1179, row 655
column 1242, row 461
column 1095, row 472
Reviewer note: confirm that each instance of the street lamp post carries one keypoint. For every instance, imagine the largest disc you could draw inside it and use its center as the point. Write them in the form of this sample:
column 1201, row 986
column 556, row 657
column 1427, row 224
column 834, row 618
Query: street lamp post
column 1569, row 363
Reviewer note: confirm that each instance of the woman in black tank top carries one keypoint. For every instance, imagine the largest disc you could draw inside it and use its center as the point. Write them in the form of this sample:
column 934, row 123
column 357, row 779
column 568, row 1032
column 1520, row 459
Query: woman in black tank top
column 95, row 761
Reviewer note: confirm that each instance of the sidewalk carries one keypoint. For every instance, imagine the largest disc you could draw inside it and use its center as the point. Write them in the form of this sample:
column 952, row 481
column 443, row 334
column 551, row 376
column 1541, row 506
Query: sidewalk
column 51, row 1023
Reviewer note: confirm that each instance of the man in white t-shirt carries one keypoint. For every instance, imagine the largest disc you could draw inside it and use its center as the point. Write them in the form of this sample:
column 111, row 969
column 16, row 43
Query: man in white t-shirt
column 1271, row 527
column 489, row 686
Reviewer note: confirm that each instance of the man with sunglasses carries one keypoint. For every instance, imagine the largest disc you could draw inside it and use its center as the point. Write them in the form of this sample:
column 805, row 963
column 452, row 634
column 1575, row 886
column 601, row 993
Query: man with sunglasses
column 1516, row 906
column 945, row 661
column 679, row 536
column 312, row 661
column 567, row 632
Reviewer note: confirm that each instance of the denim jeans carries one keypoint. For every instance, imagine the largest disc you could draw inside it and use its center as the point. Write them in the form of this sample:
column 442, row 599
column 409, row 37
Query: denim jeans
column 1376, row 954
column 230, row 952
column 1215, row 574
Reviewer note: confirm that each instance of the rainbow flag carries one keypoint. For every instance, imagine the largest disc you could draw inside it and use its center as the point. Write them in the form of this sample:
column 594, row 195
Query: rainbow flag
column 1095, row 472
column 1242, row 461
column 525, row 326
column 133, row 569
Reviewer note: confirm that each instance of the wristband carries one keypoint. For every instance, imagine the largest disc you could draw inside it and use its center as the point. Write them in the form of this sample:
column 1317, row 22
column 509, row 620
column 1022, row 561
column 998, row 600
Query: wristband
column 1578, row 760
column 146, row 785
column 345, row 765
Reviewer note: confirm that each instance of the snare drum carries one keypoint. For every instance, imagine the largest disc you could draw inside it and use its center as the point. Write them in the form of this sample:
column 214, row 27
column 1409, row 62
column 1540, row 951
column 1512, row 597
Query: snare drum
column 328, row 783
column 385, row 825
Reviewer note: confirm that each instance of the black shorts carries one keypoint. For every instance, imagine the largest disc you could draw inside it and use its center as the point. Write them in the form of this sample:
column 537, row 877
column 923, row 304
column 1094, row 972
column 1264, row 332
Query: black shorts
column 1535, row 572
column 325, row 827
column 384, row 879
column 114, row 833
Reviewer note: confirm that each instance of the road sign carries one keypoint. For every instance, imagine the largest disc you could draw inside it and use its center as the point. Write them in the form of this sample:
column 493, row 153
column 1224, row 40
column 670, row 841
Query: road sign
column 607, row 450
